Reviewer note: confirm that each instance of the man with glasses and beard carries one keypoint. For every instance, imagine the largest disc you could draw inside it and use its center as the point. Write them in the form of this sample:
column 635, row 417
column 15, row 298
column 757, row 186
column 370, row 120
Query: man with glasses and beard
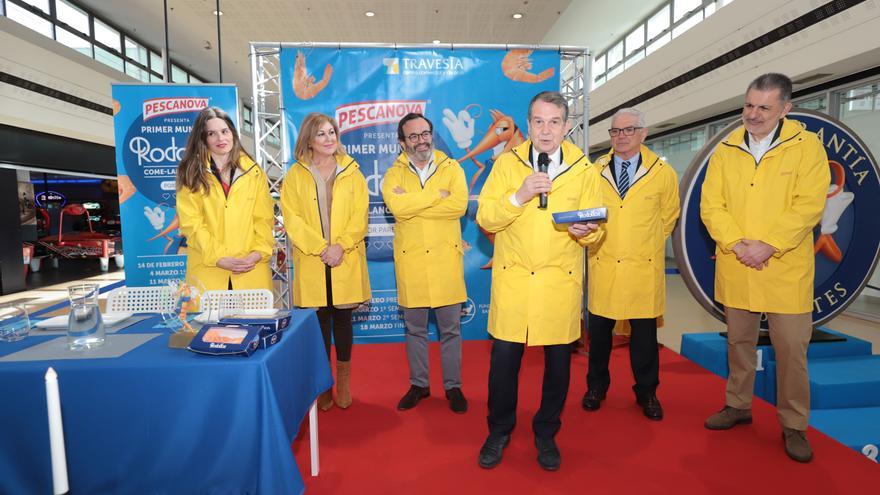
column 426, row 192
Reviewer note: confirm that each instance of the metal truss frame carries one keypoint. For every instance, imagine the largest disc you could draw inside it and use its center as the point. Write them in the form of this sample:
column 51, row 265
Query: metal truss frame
column 268, row 119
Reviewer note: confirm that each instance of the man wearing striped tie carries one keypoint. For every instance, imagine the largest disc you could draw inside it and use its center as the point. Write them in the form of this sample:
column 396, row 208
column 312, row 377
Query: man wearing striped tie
column 627, row 278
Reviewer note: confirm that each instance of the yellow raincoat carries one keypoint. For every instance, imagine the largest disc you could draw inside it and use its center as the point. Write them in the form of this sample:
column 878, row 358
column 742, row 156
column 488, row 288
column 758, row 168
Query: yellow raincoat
column 537, row 271
column 777, row 201
column 627, row 277
column 216, row 226
column 348, row 228
column 428, row 255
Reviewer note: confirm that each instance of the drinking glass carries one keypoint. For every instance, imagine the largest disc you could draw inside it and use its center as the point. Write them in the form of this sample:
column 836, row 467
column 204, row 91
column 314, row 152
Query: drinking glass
column 14, row 323
column 85, row 326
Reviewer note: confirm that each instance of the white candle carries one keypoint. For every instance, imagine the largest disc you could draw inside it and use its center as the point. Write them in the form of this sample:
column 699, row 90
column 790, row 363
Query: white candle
column 56, row 434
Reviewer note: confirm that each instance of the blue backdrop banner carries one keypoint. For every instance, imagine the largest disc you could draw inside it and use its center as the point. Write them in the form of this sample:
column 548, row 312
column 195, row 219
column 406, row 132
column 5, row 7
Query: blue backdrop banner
column 152, row 123
column 477, row 101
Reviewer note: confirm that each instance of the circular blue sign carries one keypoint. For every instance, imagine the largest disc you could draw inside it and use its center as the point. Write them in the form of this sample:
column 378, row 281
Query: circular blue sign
column 846, row 241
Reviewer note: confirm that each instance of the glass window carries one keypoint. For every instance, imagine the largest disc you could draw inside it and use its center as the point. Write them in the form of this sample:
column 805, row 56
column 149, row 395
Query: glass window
column 72, row 16
column 178, row 75
column 635, row 40
column 108, row 36
column 859, row 109
column 137, row 52
column 194, row 79
column 40, row 4
column 615, row 71
column 108, row 58
column 598, row 65
column 859, row 101
column 157, row 64
column 722, row 3
column 635, row 58
column 687, row 24
column 247, row 119
column 156, row 78
column 658, row 23
column 29, row 19
column 716, row 127
column 682, row 7
column 818, row 103
column 709, row 10
column 73, row 40
column 615, row 54
column 653, row 47
column 680, row 148
column 136, row 72
column 598, row 81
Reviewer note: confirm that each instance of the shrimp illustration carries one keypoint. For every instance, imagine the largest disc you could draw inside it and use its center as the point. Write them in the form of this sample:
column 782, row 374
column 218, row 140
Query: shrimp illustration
column 304, row 85
column 126, row 188
column 517, row 64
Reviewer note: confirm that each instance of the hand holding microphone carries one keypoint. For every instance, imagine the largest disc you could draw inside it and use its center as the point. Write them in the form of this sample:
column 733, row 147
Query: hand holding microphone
column 543, row 165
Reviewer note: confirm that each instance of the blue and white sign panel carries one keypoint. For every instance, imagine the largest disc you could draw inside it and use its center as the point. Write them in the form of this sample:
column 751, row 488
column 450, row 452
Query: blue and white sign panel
column 152, row 123
column 847, row 239
column 477, row 101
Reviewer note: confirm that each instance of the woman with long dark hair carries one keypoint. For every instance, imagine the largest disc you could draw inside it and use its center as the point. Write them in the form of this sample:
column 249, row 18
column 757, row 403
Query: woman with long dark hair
column 224, row 208
column 324, row 200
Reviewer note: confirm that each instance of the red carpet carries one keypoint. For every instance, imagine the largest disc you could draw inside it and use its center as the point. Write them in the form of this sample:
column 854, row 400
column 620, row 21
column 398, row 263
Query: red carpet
column 373, row 448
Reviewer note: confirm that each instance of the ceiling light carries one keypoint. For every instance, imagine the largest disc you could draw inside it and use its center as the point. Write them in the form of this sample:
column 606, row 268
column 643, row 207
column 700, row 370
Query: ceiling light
column 218, row 12
column 436, row 42
column 369, row 13
column 517, row 16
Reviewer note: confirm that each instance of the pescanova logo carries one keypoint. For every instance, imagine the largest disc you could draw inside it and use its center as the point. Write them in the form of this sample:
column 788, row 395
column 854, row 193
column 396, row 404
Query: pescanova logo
column 370, row 113
column 156, row 107
column 846, row 240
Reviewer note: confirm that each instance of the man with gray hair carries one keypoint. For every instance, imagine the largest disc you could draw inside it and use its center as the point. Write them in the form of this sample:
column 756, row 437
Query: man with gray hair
column 627, row 267
column 537, row 277
column 764, row 192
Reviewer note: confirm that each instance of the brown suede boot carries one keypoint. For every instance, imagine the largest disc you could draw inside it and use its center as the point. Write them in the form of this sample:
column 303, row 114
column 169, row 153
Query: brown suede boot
column 325, row 400
column 343, row 384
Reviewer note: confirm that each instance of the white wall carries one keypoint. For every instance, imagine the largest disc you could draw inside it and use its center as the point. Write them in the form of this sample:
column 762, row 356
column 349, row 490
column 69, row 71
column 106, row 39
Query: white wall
column 31, row 56
column 846, row 43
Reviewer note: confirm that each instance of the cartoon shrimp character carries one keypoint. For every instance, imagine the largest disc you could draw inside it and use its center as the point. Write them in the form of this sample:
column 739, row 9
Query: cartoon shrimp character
column 517, row 64
column 304, row 85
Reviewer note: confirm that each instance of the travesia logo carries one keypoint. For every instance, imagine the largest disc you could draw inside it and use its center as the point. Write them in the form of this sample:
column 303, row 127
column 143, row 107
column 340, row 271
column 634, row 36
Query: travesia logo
column 846, row 240
column 392, row 65
column 156, row 107
column 370, row 113
column 423, row 65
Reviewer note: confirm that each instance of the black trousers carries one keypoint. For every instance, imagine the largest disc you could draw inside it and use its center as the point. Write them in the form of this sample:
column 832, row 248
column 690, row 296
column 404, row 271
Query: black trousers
column 337, row 322
column 504, row 384
column 643, row 354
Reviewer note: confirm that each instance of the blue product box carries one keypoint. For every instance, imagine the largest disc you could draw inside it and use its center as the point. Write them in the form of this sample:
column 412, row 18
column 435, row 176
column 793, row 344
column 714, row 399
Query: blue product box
column 270, row 322
column 270, row 339
column 226, row 340
column 581, row 216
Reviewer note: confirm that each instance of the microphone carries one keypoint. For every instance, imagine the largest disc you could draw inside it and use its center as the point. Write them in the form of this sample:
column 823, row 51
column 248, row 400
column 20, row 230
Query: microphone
column 543, row 164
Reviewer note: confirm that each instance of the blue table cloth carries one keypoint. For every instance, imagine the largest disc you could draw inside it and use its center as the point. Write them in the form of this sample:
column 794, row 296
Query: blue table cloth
column 164, row 421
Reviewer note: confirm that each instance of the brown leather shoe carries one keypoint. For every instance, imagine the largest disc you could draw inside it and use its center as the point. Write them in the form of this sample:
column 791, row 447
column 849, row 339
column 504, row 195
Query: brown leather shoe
column 729, row 417
column 796, row 445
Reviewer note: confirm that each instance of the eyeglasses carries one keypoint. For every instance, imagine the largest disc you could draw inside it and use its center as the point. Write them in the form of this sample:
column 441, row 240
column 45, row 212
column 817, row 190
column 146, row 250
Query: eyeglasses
column 414, row 138
column 626, row 131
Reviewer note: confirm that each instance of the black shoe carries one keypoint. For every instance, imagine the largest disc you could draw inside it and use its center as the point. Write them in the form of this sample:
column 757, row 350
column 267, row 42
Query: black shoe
column 412, row 397
column 493, row 447
column 548, row 453
column 592, row 400
column 457, row 402
column 651, row 407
